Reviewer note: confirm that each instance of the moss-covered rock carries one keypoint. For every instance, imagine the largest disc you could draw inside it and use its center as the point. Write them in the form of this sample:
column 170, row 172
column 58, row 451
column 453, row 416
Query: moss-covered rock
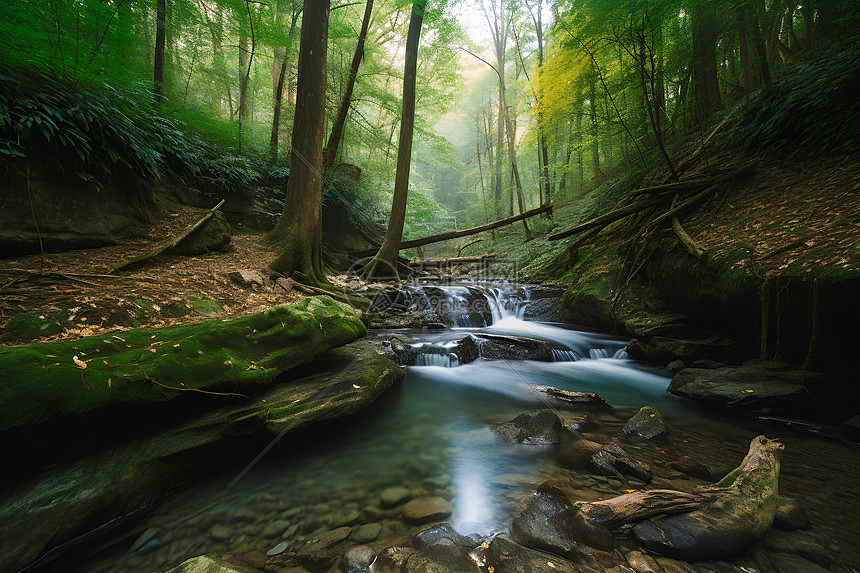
column 74, row 498
column 127, row 376
column 647, row 423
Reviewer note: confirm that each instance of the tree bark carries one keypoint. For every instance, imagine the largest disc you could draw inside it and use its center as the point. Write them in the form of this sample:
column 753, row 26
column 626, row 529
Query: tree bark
column 158, row 67
column 385, row 262
column 330, row 151
column 299, row 230
column 705, row 89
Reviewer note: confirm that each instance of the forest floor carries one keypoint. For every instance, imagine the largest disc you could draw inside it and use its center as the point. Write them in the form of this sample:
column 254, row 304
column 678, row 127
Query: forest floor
column 71, row 294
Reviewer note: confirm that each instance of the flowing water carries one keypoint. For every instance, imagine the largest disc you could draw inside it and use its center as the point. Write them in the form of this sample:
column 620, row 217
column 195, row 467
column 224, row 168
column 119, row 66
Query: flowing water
column 431, row 434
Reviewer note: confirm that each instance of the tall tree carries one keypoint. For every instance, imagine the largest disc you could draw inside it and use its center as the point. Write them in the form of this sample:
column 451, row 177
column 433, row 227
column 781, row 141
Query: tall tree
column 158, row 68
column 386, row 257
column 330, row 152
column 299, row 230
column 705, row 89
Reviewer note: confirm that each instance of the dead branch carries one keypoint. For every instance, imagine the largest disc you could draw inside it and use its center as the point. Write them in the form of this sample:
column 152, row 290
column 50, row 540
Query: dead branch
column 435, row 263
column 686, row 239
column 185, row 389
column 607, row 218
column 467, row 245
column 169, row 244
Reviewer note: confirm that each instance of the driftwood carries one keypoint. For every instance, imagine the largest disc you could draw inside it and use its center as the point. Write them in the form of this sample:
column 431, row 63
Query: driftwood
column 639, row 505
column 168, row 244
column 436, row 263
column 570, row 397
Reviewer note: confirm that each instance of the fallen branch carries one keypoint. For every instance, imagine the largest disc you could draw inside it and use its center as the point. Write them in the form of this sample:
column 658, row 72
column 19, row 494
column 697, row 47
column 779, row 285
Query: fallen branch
column 701, row 147
column 686, row 239
column 671, row 187
column 606, row 219
column 169, row 244
column 185, row 389
column 435, row 263
column 467, row 245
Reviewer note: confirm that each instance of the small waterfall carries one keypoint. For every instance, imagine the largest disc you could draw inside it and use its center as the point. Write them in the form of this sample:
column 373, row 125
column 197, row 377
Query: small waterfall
column 469, row 305
column 621, row 354
column 446, row 360
column 564, row 356
column 596, row 353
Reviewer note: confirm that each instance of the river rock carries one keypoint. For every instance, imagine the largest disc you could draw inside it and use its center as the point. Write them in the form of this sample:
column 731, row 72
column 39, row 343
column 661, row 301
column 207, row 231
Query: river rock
column 217, row 563
column 513, row 348
column 770, row 387
column 741, row 512
column 642, row 563
column 392, row 559
column 441, row 559
column 568, row 397
column 365, row 533
column 790, row 515
column 612, row 460
column 466, row 350
column 404, row 352
column 221, row 532
column 345, row 516
column 392, row 496
column 358, row 559
column 318, row 553
column 275, row 528
column 543, row 310
column 665, row 349
column 697, row 470
column 443, row 534
column 551, row 523
column 507, row 556
column 426, row 509
column 537, row 427
column 278, row 549
column 646, row 423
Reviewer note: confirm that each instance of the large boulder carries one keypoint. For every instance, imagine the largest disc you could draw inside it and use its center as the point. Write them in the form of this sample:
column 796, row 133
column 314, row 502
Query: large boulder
column 513, row 348
column 768, row 387
column 612, row 460
column 210, row 237
column 506, row 556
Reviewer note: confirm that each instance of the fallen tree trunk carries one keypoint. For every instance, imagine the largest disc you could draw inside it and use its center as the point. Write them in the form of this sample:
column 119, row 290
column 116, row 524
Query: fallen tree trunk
column 638, row 506
column 434, row 263
column 607, row 218
column 169, row 244
column 464, row 233
column 686, row 239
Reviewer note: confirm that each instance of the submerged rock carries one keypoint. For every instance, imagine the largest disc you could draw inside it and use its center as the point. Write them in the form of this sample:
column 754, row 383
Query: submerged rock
column 358, row 559
column 537, row 427
column 441, row 534
column 218, row 563
column 612, row 460
column 426, row 509
column 646, row 423
column 506, row 556
column 441, row 559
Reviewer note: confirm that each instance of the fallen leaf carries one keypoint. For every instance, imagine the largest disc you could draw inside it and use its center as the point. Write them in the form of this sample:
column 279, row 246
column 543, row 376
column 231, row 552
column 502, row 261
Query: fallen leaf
column 79, row 363
column 109, row 379
column 484, row 545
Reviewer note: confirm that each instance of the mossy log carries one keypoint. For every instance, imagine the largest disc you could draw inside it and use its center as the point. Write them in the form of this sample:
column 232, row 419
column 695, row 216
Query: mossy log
column 137, row 369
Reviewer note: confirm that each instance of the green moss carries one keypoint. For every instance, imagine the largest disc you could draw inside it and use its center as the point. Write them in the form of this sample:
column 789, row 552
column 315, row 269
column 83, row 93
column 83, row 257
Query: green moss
column 205, row 306
column 42, row 381
column 37, row 324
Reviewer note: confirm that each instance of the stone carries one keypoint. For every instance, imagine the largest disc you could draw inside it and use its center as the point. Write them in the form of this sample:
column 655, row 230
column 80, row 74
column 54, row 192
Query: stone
column 513, row 348
column 538, row 427
column 393, row 496
column 358, row 559
column 284, row 284
column 646, row 423
column 318, row 553
column 345, row 516
column 676, row 365
column 612, row 460
column 568, row 397
column 666, row 349
column 275, row 528
column 278, row 549
column 247, row 278
column 444, row 534
column 366, row 533
column 697, row 470
column 221, row 532
column 506, row 556
column 426, row 509
column 441, row 559
column 392, row 559
column 577, row 454
column 543, row 310
column 217, row 563
column 549, row 522
column 642, row 563
column 790, row 515
column 290, row 531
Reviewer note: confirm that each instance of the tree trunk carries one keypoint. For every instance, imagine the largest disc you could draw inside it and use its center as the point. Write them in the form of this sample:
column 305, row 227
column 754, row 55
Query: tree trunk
column 704, row 91
column 158, row 68
column 384, row 264
column 276, row 118
column 757, row 43
column 299, row 230
column 595, row 148
column 334, row 138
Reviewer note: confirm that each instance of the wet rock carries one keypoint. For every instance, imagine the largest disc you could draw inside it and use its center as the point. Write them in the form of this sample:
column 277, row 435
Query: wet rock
column 790, row 515
column 278, row 549
column 577, row 454
column 466, row 350
column 706, row 364
column 275, row 528
column 247, row 278
column 221, row 532
column 392, row 559
column 370, row 514
column 665, row 349
column 646, row 423
column 513, row 348
column 800, row 544
column 642, row 563
column 392, row 496
column 366, row 533
column 672, row 566
column 426, row 509
column 506, row 556
column 217, row 563
column 318, row 553
column 543, row 310
column 612, row 460
column 345, row 517
column 441, row 559
column 676, row 365
column 551, row 523
column 440, row 534
column 404, row 352
column 537, row 427
column 769, row 387
column 358, row 559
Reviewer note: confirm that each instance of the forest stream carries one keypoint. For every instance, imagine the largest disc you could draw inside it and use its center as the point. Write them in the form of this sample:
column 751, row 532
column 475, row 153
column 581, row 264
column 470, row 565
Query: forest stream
column 430, row 436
